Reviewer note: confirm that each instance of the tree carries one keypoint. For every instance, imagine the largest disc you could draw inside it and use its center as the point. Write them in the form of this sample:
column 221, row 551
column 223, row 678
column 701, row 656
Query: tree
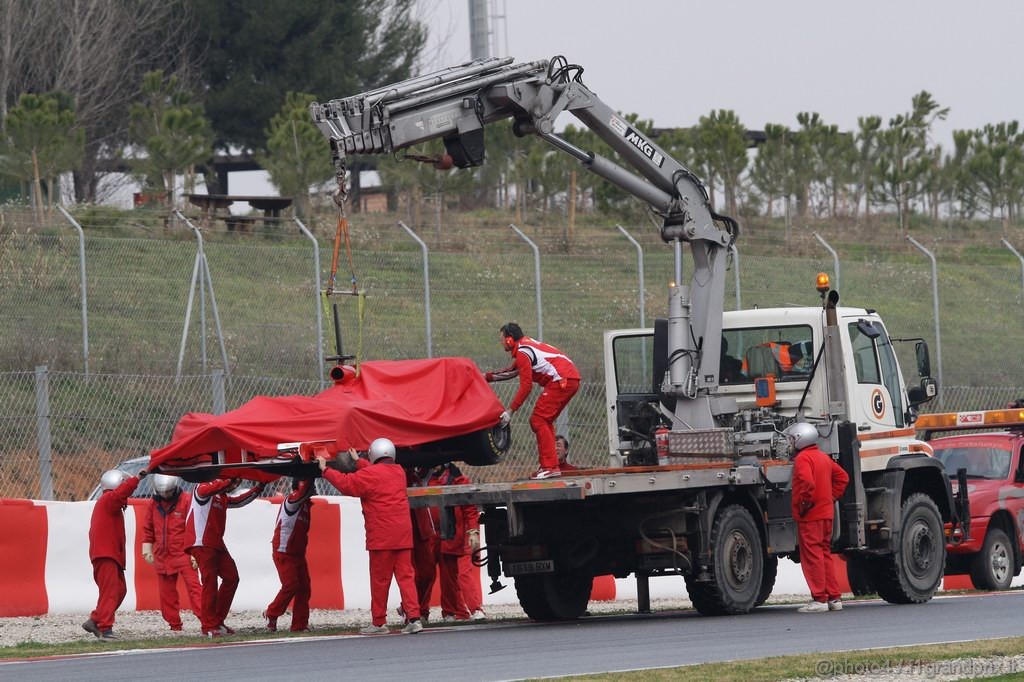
column 41, row 142
column 254, row 53
column 295, row 156
column 723, row 145
column 997, row 166
column 866, row 166
column 772, row 166
column 904, row 161
column 170, row 131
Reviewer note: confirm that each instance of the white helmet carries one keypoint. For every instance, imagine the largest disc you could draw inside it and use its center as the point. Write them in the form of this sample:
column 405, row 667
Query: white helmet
column 381, row 448
column 801, row 435
column 162, row 483
column 113, row 479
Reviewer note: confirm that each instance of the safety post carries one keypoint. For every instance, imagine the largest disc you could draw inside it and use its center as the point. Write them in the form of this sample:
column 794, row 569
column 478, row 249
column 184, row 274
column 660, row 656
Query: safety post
column 426, row 283
column 1020, row 258
column 316, row 301
column 43, row 433
column 217, row 383
column 835, row 259
column 736, row 273
column 935, row 306
column 640, row 272
column 201, row 269
column 85, row 306
column 536, row 279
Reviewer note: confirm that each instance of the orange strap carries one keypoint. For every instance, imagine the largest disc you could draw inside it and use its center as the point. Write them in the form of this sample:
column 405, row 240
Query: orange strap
column 342, row 231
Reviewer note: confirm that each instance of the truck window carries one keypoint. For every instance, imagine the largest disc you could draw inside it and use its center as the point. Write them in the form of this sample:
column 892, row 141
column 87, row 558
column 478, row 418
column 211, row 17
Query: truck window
column 980, row 462
column 890, row 375
column 633, row 363
column 864, row 357
column 787, row 353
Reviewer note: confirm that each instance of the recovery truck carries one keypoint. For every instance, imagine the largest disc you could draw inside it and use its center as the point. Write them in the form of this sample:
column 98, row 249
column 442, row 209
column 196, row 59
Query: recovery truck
column 990, row 468
column 698, row 482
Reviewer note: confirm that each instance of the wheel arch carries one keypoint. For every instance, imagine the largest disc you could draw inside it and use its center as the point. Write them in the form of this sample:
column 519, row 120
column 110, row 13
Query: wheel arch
column 1003, row 520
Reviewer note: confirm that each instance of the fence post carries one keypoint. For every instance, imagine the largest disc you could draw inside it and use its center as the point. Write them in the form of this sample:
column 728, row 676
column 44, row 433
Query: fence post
column 43, row 433
column 316, row 302
column 203, row 269
column 1020, row 258
column 935, row 306
column 536, row 278
column 835, row 259
column 736, row 273
column 217, row 381
column 640, row 272
column 85, row 306
column 426, row 284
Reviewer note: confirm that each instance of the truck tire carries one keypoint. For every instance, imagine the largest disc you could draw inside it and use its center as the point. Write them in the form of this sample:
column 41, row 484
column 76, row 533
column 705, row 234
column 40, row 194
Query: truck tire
column 992, row 568
column 737, row 566
column 912, row 573
column 554, row 596
column 771, row 571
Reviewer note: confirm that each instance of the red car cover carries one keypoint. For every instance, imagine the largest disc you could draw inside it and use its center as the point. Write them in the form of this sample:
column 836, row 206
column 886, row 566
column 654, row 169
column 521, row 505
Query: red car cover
column 411, row 402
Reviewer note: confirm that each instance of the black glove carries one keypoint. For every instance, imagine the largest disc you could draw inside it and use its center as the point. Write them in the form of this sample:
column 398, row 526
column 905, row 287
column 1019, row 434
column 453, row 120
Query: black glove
column 143, row 473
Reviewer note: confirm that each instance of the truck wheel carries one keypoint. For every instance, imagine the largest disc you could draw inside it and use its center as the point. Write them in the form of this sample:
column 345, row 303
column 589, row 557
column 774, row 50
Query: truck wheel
column 737, row 566
column 992, row 568
column 771, row 571
column 554, row 596
column 913, row 572
column 531, row 593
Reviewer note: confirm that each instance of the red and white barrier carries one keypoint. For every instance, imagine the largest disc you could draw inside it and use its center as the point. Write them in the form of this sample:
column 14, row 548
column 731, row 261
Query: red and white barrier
column 46, row 568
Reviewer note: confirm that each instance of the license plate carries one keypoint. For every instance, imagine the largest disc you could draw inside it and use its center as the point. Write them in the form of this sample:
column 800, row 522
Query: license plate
column 526, row 567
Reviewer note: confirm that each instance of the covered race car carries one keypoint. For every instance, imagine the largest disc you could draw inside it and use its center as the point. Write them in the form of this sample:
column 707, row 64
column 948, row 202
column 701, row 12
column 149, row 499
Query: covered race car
column 434, row 411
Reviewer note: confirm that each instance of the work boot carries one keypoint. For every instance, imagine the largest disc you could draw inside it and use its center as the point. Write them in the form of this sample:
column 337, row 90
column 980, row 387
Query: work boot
column 448, row 619
column 413, row 627
column 813, row 607
column 213, row 633
column 225, row 630
column 90, row 626
column 376, row 630
column 478, row 615
column 109, row 636
column 835, row 604
column 543, row 473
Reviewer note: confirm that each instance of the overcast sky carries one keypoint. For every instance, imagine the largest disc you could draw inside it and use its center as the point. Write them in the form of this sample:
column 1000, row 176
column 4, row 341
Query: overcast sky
column 675, row 60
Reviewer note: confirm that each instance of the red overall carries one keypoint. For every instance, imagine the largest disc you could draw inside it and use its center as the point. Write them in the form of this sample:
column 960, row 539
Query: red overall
column 107, row 552
column 543, row 364
column 431, row 551
column 291, row 536
column 204, row 539
column 381, row 490
column 164, row 526
column 817, row 483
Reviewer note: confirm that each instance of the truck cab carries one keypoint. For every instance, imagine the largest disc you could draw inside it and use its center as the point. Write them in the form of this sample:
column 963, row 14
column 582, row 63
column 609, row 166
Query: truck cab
column 780, row 345
column 994, row 472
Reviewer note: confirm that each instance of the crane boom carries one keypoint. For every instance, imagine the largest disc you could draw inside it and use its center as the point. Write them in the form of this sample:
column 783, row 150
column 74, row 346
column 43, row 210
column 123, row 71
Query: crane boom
column 456, row 103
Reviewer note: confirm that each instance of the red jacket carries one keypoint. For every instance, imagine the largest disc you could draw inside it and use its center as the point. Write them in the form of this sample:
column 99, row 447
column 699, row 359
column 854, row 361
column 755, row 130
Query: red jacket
column 427, row 520
column 291, row 533
column 106, row 530
column 208, row 513
column 540, row 363
column 164, row 526
column 817, row 483
column 381, row 490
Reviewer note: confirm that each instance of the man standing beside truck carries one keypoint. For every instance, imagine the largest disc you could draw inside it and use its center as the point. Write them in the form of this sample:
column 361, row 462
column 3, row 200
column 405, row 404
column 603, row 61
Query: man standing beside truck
column 541, row 363
column 817, row 483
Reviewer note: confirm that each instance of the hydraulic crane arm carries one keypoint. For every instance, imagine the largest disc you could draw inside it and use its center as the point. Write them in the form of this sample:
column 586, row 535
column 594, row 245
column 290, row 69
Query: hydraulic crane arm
column 455, row 104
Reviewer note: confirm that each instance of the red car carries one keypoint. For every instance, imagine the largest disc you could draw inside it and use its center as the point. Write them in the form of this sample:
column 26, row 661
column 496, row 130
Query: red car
column 995, row 488
column 434, row 411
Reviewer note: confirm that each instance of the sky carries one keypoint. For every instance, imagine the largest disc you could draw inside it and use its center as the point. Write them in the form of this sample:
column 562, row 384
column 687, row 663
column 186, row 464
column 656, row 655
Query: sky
column 673, row 61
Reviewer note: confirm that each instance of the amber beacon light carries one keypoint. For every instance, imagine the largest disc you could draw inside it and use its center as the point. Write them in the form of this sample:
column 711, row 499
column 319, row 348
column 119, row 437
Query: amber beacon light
column 822, row 282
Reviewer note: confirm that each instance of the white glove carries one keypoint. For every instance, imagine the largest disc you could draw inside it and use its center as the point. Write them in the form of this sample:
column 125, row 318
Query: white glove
column 195, row 564
column 473, row 535
column 506, row 417
column 147, row 552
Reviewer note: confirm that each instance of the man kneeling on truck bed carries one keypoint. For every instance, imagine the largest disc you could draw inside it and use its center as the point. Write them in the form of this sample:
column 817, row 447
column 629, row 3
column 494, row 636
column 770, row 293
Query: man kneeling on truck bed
column 537, row 362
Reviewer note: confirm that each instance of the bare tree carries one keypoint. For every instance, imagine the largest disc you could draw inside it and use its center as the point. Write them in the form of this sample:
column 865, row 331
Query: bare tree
column 20, row 26
column 96, row 51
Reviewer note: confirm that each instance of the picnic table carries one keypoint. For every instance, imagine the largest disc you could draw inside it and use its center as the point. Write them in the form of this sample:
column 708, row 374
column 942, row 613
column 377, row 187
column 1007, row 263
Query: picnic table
column 210, row 205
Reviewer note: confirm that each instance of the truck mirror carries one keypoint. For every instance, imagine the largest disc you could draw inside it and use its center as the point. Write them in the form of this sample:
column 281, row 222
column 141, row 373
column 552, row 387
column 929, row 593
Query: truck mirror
column 924, row 363
column 868, row 329
column 917, row 395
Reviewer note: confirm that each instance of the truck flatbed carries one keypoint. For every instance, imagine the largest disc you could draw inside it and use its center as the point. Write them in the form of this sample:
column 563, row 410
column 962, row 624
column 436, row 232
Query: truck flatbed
column 578, row 485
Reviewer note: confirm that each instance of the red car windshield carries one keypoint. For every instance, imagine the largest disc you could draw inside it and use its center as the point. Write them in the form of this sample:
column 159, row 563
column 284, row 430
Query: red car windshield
column 982, row 460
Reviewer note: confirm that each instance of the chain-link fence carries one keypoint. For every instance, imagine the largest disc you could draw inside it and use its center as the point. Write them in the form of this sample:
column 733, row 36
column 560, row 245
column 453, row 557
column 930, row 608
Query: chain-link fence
column 141, row 270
